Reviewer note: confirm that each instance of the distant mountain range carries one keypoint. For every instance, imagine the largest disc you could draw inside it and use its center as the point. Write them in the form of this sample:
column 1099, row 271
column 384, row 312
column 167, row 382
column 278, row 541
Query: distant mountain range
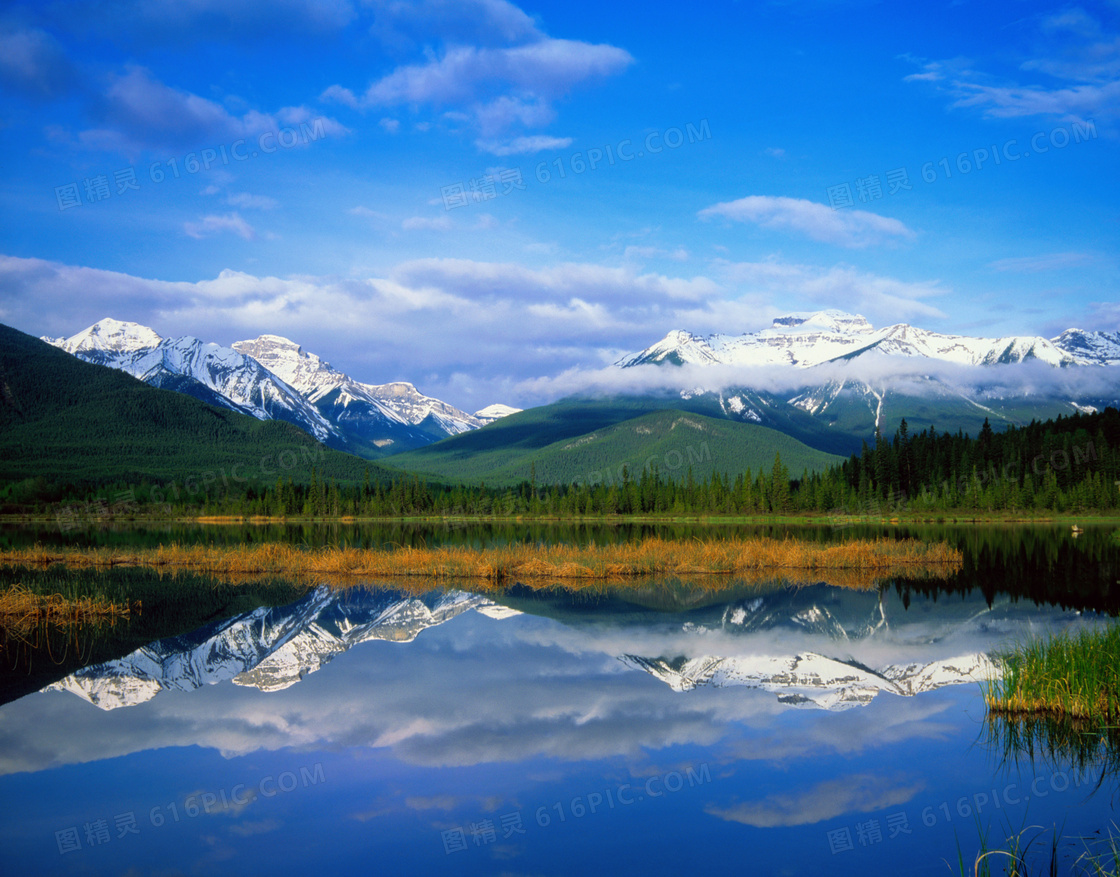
column 813, row 339
column 275, row 648
column 272, row 378
column 854, row 378
column 817, row 384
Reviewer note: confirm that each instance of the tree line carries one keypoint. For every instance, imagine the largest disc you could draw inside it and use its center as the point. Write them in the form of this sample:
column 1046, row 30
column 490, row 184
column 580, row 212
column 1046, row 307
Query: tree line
column 1065, row 465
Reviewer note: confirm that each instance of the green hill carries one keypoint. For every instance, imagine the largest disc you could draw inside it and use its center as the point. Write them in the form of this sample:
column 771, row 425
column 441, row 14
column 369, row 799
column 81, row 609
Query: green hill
column 64, row 421
column 586, row 442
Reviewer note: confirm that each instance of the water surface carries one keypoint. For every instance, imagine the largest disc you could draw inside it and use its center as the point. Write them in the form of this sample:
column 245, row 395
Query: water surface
column 764, row 728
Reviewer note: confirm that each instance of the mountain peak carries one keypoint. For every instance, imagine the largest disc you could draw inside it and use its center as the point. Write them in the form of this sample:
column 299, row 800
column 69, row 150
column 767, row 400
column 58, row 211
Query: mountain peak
column 829, row 320
column 109, row 335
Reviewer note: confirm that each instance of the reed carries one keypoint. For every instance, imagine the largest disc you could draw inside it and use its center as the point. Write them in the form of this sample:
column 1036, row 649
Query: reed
column 1068, row 676
column 1100, row 856
column 498, row 565
column 22, row 610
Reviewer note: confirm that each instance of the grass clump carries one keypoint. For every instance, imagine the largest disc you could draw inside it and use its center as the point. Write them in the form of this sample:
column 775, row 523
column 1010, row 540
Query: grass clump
column 1067, row 676
column 1027, row 852
column 499, row 565
column 22, row 610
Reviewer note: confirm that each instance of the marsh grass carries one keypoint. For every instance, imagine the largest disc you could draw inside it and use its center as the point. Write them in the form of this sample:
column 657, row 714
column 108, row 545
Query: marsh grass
column 22, row 610
column 1079, row 745
column 1098, row 856
column 1065, row 676
column 752, row 559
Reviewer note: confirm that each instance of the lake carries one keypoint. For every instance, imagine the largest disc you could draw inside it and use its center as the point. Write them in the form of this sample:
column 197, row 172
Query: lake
column 655, row 729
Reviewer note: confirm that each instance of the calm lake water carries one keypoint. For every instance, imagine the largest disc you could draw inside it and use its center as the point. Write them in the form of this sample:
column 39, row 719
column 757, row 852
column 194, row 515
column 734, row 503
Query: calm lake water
column 662, row 730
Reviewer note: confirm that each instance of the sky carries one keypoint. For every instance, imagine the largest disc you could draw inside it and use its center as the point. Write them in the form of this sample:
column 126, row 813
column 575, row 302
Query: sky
column 478, row 196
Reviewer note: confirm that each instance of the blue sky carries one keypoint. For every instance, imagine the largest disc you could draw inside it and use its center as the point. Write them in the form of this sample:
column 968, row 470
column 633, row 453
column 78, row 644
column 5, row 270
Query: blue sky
column 226, row 169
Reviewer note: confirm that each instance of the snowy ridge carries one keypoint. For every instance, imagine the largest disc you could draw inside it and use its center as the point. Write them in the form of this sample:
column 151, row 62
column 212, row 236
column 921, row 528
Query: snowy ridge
column 866, row 399
column 814, row 680
column 495, row 412
column 316, row 379
column 244, row 384
column 807, row 340
column 273, row 378
column 268, row 648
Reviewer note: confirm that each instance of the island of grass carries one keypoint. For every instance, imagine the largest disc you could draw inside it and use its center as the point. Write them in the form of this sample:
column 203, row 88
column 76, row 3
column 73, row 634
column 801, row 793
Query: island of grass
column 1066, row 676
column 714, row 559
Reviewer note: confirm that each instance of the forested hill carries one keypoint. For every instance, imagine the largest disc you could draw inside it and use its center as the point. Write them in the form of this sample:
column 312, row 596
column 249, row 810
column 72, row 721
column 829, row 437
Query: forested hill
column 68, row 425
column 1068, row 462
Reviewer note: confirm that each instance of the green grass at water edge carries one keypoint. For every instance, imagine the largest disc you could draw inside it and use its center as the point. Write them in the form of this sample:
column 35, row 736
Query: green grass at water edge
column 1071, row 675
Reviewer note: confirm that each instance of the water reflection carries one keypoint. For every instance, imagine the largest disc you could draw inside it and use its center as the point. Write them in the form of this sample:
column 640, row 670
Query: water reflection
column 542, row 732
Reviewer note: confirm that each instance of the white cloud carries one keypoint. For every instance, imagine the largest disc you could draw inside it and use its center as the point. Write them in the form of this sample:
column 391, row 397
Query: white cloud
column 426, row 223
column 845, row 228
column 33, row 63
column 523, row 145
column 858, row 793
column 496, row 77
column 138, row 112
column 680, row 254
column 564, row 321
column 549, row 68
column 390, row 125
column 1078, row 57
column 883, row 299
column 252, row 202
column 1048, row 262
column 1005, row 102
column 211, row 225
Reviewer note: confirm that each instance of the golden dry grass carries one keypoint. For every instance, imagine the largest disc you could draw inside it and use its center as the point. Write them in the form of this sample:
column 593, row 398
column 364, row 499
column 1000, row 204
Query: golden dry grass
column 22, row 610
column 863, row 561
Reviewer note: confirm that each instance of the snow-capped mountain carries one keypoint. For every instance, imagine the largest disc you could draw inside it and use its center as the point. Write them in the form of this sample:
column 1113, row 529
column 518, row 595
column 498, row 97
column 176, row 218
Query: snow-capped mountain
column 818, row 646
column 807, row 340
column 495, row 412
column 855, row 378
column 810, row 679
column 272, row 378
column 214, row 374
column 370, row 411
column 268, row 648
column 1090, row 348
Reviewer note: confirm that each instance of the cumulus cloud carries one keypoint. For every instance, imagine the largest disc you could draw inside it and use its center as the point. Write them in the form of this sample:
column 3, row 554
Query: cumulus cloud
column 214, row 224
column 1077, row 54
column 493, row 707
column 845, row 228
column 408, row 23
column 1047, row 262
column 541, row 332
column 494, row 69
column 33, row 63
column 883, row 299
column 138, row 111
column 249, row 201
column 858, row 793
column 524, row 145
column 146, row 23
column 427, row 223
